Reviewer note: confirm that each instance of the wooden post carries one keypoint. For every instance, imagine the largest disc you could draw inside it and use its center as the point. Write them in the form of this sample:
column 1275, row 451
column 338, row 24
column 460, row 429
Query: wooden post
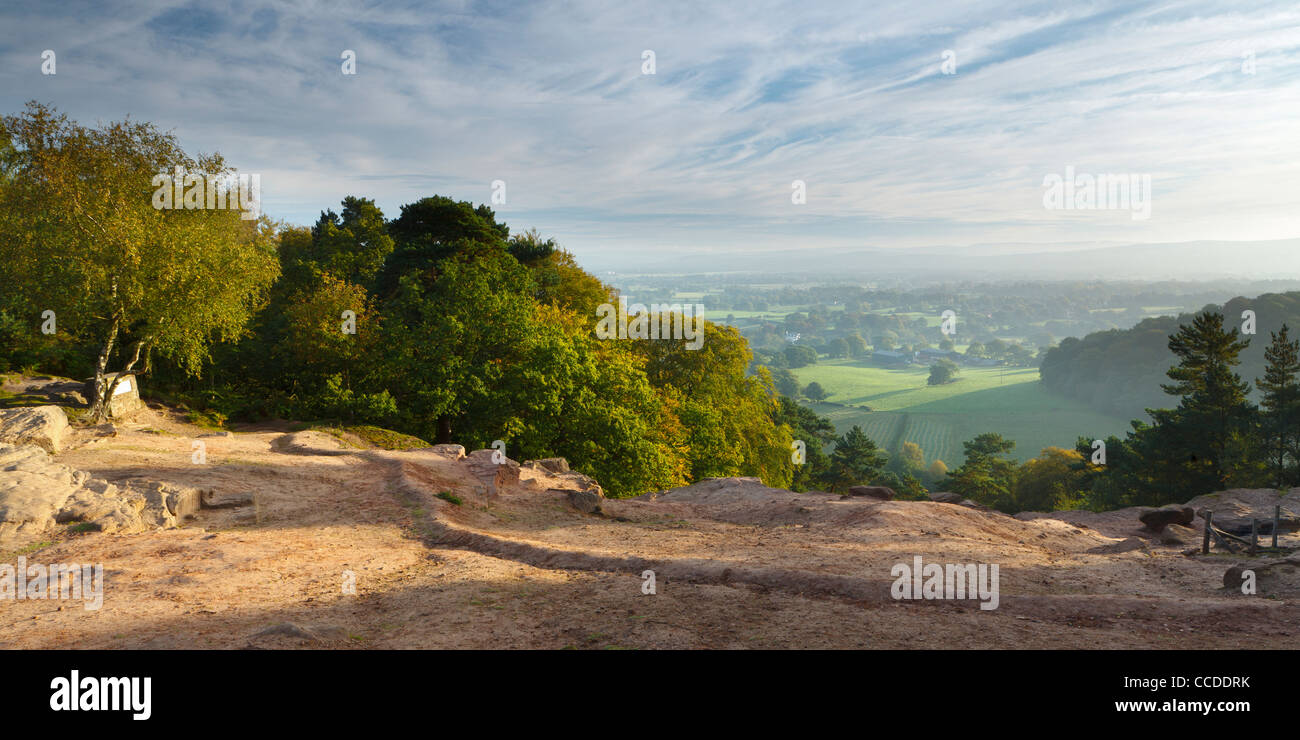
column 1277, row 518
column 1254, row 535
column 1205, row 543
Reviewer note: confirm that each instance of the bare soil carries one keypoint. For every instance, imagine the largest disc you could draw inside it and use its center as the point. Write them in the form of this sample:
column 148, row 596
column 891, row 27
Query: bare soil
column 737, row 565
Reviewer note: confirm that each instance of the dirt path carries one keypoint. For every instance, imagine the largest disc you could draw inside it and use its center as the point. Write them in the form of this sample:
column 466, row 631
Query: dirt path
column 522, row 569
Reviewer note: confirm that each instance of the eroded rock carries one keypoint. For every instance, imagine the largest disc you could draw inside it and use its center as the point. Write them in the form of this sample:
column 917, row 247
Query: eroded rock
column 43, row 426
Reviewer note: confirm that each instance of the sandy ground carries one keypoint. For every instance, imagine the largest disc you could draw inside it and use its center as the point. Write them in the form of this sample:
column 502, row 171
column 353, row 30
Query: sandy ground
column 744, row 567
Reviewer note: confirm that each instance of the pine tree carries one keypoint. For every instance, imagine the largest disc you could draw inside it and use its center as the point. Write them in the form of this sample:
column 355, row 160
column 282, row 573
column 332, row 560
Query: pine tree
column 1280, row 399
column 855, row 460
column 1210, row 429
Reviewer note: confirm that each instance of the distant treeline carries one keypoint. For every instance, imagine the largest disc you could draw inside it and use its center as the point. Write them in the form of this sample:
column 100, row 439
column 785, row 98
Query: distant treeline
column 1120, row 371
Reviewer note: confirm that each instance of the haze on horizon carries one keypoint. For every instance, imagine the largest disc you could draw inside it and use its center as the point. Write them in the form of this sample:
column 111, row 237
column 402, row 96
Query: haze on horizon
column 698, row 158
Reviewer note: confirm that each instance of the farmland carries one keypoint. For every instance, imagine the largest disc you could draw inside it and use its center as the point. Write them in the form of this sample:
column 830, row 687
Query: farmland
column 895, row 406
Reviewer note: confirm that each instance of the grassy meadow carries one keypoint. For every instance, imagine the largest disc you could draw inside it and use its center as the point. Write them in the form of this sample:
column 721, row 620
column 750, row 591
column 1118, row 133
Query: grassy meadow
column 895, row 406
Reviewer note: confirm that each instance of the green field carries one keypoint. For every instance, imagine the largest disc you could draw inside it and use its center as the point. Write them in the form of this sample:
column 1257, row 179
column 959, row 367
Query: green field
column 1009, row 401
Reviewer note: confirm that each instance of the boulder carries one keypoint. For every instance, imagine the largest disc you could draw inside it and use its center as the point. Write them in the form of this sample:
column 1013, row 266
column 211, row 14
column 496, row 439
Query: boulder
column 455, row 452
column 556, row 465
column 1157, row 519
column 588, row 502
column 126, row 401
column 884, row 493
column 43, row 426
column 946, row 497
column 496, row 475
column 1271, row 576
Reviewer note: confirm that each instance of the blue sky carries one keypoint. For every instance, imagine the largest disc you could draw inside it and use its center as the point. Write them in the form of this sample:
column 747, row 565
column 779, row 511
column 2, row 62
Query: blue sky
column 747, row 97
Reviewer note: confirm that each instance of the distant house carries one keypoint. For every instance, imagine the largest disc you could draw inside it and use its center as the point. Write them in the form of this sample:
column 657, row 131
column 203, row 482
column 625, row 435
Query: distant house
column 889, row 357
column 926, row 356
column 979, row 361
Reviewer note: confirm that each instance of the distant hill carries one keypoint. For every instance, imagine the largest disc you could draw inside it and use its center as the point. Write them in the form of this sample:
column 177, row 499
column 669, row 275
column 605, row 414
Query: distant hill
column 1120, row 371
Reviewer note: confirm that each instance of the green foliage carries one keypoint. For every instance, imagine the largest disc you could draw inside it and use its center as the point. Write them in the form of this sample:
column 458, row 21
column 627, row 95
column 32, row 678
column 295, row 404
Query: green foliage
column 988, row 475
column 856, row 460
column 1050, row 482
column 943, row 371
column 1121, row 371
column 455, row 329
column 815, row 392
column 798, row 355
column 815, row 432
column 1280, row 404
column 167, row 282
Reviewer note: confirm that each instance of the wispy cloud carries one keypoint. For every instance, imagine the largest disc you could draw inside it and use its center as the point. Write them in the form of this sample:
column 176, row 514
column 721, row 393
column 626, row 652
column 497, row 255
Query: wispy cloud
column 747, row 97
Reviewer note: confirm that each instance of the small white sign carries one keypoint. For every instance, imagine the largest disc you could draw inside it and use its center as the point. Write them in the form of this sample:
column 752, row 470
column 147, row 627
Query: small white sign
column 123, row 387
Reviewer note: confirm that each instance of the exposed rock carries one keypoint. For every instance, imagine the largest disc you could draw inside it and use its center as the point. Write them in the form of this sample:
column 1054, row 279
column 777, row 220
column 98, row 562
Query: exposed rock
column 1233, row 509
column 73, row 398
column 455, row 452
column 884, row 493
column 310, row 443
column 587, row 502
column 1271, row 576
column 1157, row 519
column 1128, row 545
column 585, row 482
column 495, row 475
column 126, row 401
column 43, row 426
column 557, row 465
column 217, row 434
column 37, row 493
column 946, row 497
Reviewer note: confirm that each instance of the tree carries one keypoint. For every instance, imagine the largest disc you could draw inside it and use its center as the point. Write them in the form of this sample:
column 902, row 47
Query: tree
column 815, row 392
column 1050, row 482
column 938, row 469
column 857, row 346
column 1210, row 429
column 1280, row 401
column 786, row 383
column 855, row 460
column 815, row 432
column 452, row 334
column 910, row 458
column 729, row 416
column 164, row 281
column 987, row 475
column 350, row 247
column 798, row 355
column 941, row 372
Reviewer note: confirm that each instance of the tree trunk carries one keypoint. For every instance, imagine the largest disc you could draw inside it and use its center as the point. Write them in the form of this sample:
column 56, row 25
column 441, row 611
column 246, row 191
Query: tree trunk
column 100, row 397
column 444, row 430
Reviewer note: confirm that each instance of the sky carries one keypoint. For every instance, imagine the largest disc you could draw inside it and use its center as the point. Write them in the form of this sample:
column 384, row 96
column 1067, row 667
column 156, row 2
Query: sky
column 894, row 149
